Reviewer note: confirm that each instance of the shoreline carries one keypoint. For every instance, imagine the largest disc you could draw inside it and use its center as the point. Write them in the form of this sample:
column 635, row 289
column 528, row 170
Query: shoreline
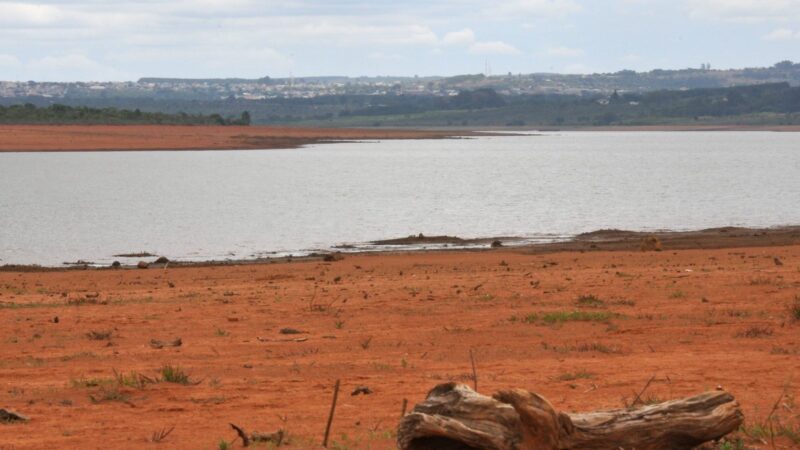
column 37, row 138
column 599, row 240
column 106, row 138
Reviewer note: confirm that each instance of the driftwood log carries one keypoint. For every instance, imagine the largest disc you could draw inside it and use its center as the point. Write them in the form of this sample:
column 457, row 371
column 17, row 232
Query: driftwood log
column 454, row 417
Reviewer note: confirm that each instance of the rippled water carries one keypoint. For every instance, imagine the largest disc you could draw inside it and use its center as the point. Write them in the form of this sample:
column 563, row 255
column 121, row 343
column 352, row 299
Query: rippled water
column 57, row 207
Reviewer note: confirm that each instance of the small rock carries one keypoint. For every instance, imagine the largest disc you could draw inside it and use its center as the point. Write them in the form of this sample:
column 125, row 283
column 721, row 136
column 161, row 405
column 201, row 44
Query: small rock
column 497, row 244
column 361, row 390
column 10, row 416
column 142, row 265
column 331, row 257
column 291, row 331
column 778, row 262
column 55, row 319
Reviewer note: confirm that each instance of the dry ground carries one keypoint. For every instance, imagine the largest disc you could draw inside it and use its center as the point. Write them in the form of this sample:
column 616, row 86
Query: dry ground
column 59, row 138
column 399, row 324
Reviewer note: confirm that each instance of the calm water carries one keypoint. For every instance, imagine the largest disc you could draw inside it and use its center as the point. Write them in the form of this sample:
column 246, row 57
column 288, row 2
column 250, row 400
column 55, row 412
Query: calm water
column 241, row 204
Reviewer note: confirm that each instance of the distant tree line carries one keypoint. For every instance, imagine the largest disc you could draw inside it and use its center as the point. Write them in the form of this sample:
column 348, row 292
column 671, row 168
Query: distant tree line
column 62, row 114
column 775, row 103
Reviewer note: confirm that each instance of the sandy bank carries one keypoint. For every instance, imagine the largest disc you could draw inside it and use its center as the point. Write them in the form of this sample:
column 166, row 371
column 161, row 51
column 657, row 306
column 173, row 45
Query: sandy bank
column 33, row 138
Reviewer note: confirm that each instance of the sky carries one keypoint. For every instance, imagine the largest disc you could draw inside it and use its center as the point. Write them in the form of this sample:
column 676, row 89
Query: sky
column 97, row 40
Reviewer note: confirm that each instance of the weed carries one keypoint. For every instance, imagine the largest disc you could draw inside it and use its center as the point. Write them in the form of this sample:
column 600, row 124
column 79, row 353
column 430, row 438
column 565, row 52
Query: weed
column 677, row 294
column 90, row 382
column 220, row 332
column 339, row 324
column 755, row 332
column 760, row 281
column 581, row 375
column 590, row 301
column 109, row 394
column 530, row 318
column 174, row 374
column 133, row 380
column 223, row 445
column 794, row 309
column 160, row 435
column 576, row 316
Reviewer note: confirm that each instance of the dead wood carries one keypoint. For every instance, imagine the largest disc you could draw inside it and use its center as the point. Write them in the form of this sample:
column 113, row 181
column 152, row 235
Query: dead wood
column 454, row 417
column 276, row 438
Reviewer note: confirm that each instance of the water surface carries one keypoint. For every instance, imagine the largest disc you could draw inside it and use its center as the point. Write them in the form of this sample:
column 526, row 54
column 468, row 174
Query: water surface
column 57, row 207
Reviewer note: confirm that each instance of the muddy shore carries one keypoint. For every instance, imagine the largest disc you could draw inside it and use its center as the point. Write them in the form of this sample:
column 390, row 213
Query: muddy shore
column 712, row 308
column 61, row 138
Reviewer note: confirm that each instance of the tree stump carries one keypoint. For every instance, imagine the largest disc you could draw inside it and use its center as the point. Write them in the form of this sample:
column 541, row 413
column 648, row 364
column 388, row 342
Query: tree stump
column 454, row 417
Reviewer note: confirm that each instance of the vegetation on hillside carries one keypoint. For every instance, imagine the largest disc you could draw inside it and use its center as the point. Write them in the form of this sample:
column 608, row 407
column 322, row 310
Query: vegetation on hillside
column 63, row 114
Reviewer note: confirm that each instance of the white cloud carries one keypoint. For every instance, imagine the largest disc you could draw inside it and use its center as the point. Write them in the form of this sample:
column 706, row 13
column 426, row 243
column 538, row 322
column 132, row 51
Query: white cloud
column 18, row 14
column 493, row 48
column 565, row 52
column 548, row 8
column 9, row 61
column 744, row 10
column 782, row 34
column 462, row 37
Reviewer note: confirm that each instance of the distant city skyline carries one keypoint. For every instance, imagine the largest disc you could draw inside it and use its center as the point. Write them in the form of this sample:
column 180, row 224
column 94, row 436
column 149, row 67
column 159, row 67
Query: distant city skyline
column 96, row 40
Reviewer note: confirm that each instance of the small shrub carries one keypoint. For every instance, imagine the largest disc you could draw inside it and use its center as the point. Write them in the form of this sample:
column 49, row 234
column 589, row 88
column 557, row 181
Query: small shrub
column 755, row 332
column 174, row 374
column 590, row 301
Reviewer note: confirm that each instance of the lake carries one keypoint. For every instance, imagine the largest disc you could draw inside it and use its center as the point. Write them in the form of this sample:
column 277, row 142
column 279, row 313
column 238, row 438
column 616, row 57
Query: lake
column 59, row 207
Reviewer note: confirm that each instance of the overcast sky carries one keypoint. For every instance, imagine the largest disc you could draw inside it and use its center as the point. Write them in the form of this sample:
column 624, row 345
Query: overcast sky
column 70, row 40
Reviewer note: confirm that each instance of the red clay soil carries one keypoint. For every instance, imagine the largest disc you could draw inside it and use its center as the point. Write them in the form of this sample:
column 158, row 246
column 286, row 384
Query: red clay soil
column 398, row 324
column 30, row 138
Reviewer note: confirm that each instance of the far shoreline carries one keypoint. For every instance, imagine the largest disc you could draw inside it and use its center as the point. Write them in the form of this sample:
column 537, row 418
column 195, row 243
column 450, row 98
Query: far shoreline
column 35, row 138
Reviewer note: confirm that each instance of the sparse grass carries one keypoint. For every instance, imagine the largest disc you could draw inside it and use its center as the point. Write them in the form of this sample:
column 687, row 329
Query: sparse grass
column 223, row 445
column 761, row 281
column 572, row 376
column 585, row 347
column 221, row 333
column 174, row 374
column 339, row 324
column 576, row 316
column 794, row 309
column 133, row 380
column 589, row 301
column 8, row 305
column 109, row 394
column 677, row 294
column 755, row 332
column 91, row 382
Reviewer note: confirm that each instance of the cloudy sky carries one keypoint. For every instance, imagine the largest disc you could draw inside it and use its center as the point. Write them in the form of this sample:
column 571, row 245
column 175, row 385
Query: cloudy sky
column 68, row 40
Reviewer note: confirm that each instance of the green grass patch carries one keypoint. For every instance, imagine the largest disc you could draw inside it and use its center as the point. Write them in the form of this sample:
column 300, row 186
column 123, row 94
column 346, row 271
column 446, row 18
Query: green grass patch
column 577, row 316
column 174, row 374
